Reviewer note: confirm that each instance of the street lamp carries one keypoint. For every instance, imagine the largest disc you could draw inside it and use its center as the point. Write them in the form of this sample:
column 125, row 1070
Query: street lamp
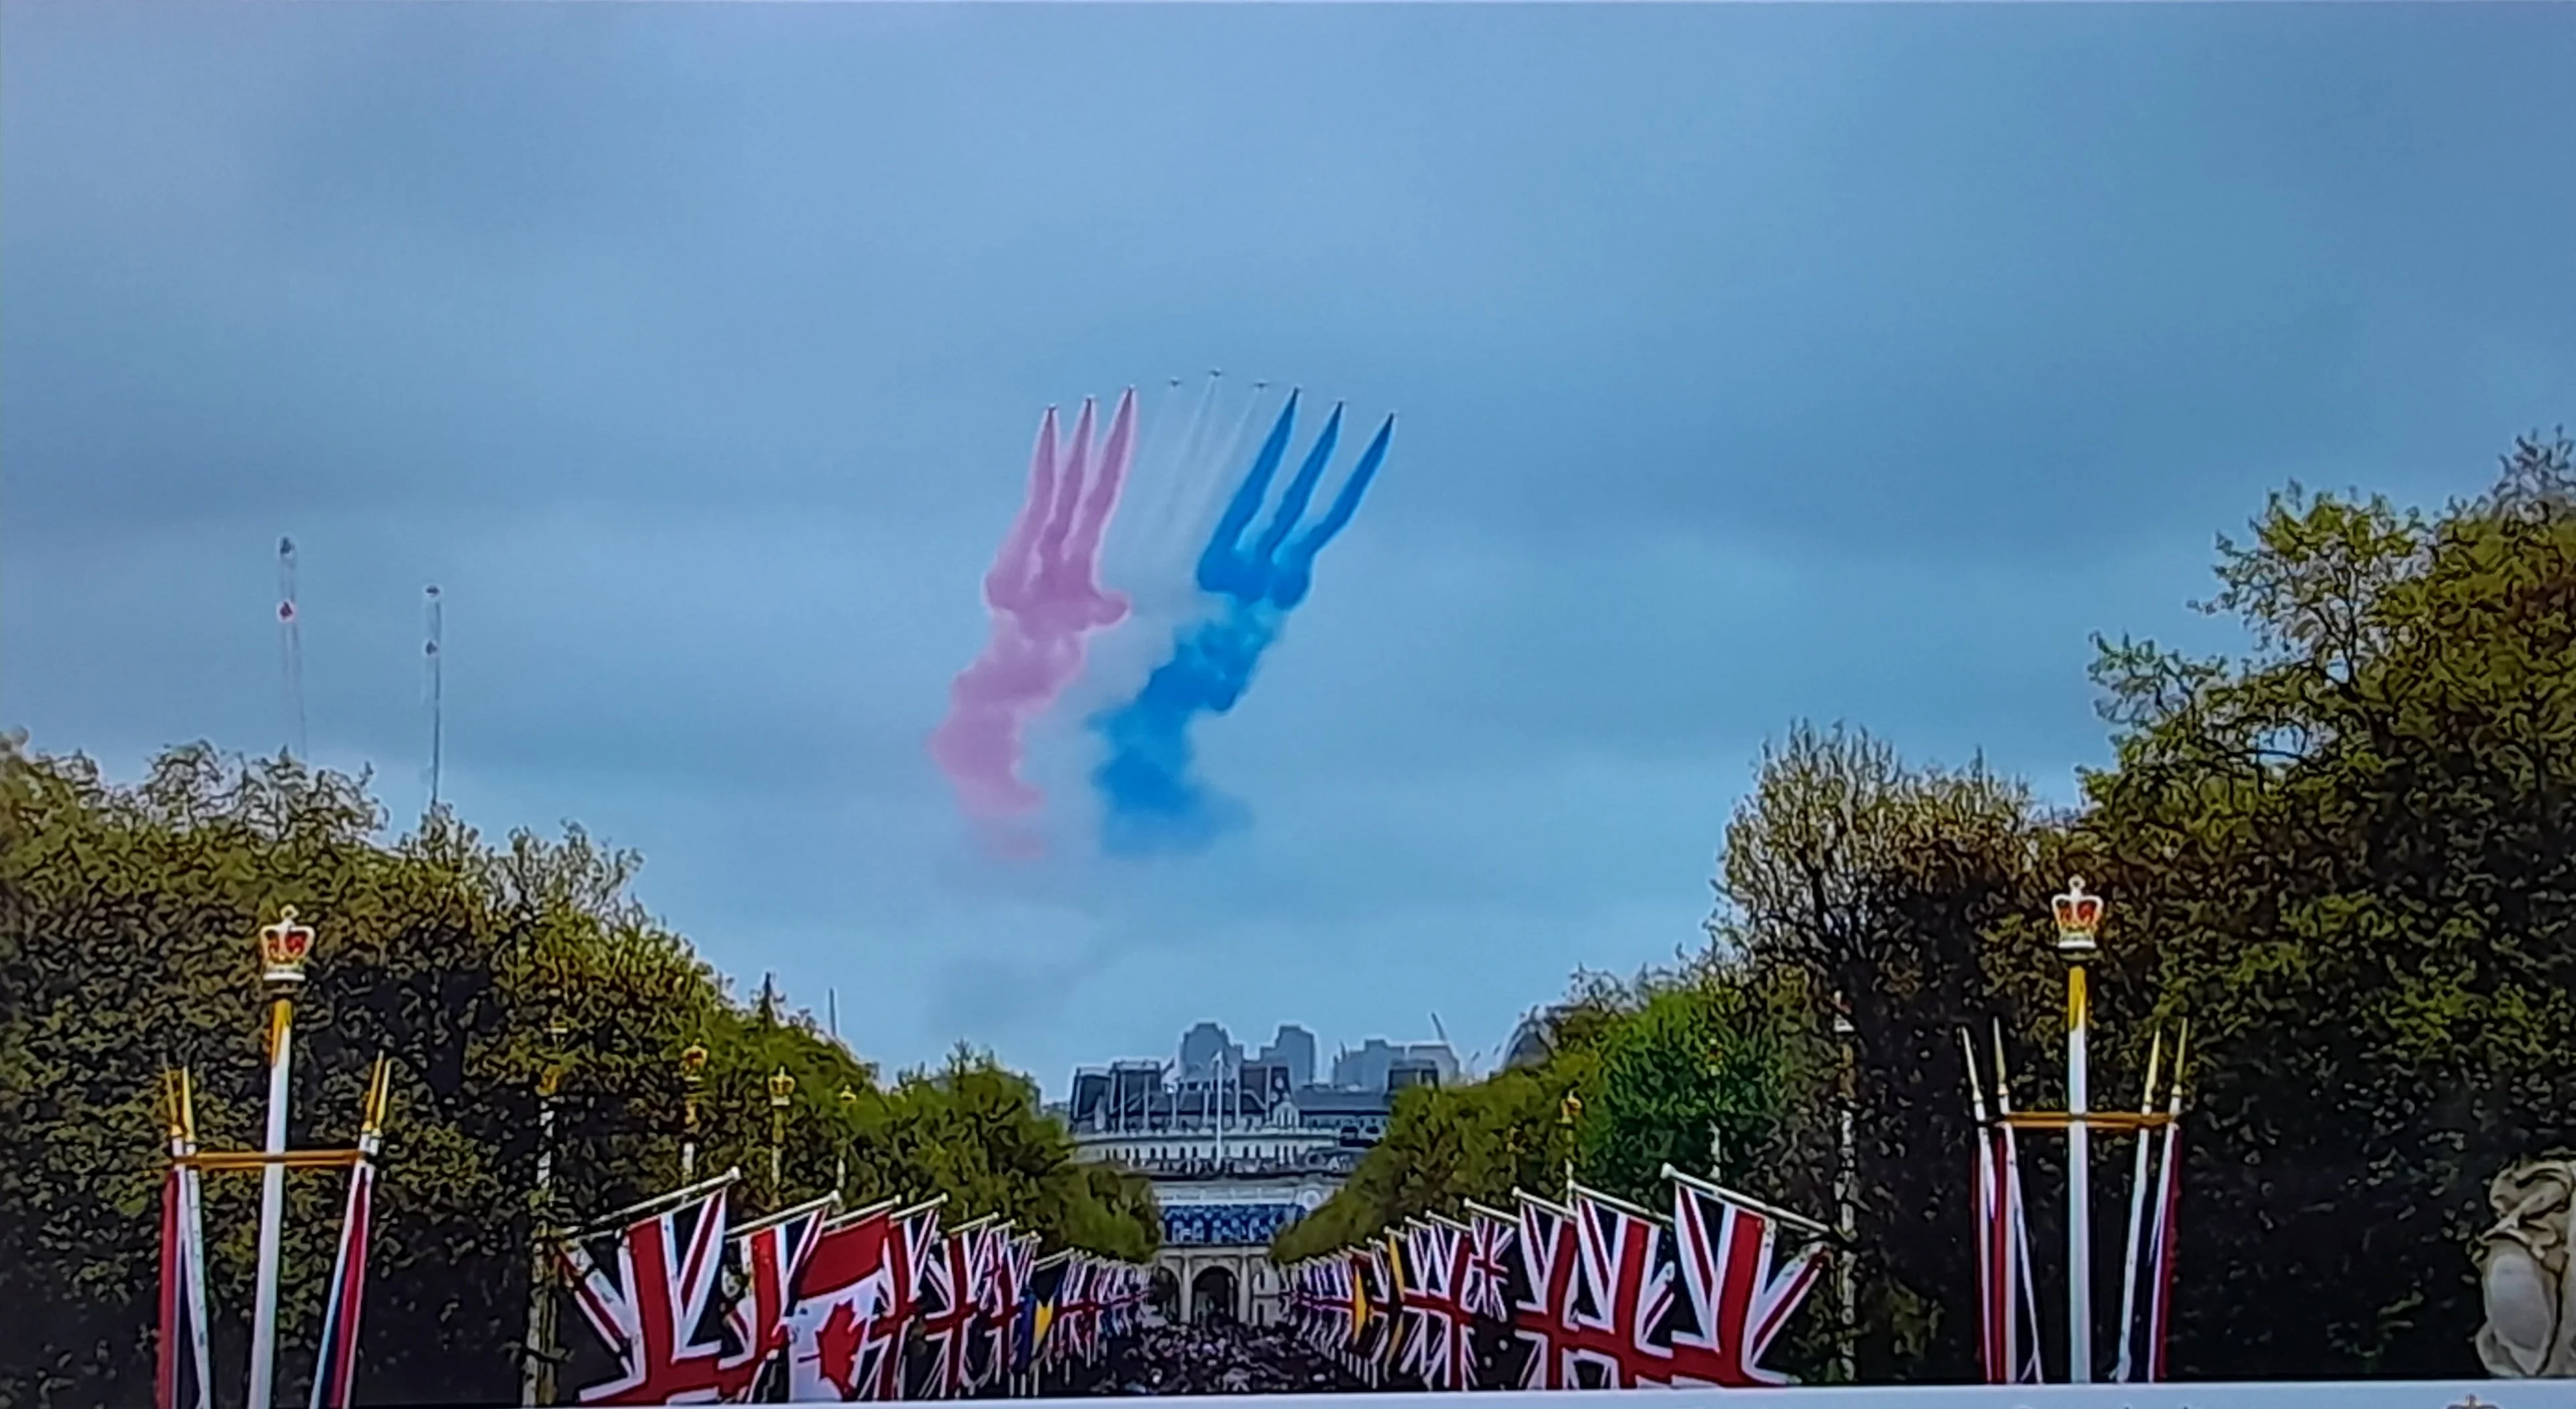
column 693, row 1066
column 536, row 1373
column 781, row 1087
column 283, row 949
column 841, row 1167
column 2079, row 919
column 1568, row 1112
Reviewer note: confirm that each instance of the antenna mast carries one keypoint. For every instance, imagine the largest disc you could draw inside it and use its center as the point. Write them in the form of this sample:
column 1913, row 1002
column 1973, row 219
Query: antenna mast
column 290, row 642
column 437, row 696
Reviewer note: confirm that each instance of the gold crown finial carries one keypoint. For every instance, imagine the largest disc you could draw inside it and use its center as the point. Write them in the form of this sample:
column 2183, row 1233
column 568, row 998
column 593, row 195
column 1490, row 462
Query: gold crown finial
column 283, row 948
column 781, row 1086
column 2079, row 918
column 693, row 1060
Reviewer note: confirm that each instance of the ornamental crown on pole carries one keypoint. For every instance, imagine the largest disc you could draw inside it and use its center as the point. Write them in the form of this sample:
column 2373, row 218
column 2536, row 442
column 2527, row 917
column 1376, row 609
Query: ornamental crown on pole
column 781, row 1086
column 283, row 948
column 2079, row 917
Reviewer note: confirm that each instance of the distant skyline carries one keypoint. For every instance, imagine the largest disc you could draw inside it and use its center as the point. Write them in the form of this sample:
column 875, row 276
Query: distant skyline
column 1755, row 364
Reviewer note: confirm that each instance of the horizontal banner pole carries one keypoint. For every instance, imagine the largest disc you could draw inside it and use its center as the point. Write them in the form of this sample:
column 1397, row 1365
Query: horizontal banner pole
column 2094, row 1120
column 255, row 1159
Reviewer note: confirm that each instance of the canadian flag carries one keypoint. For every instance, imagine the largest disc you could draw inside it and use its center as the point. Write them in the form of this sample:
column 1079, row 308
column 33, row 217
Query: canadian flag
column 844, row 1288
column 853, row 1301
column 766, row 1260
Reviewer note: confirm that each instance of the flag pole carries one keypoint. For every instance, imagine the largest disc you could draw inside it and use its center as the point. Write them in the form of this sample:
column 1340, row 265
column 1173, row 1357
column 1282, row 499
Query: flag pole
column 1846, row 1194
column 2137, row 1216
column 335, row 1376
column 536, row 1365
column 2077, row 915
column 183, row 1269
column 1995, row 1323
column 2168, row 1191
column 2022, row 1295
column 284, row 947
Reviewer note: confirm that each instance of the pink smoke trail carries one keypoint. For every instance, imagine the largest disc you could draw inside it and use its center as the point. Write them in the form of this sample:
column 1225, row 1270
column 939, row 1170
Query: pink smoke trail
column 1045, row 597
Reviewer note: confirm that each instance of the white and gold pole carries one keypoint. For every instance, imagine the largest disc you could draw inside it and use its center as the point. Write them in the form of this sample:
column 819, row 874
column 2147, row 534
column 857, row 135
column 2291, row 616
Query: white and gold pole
column 2078, row 916
column 283, row 948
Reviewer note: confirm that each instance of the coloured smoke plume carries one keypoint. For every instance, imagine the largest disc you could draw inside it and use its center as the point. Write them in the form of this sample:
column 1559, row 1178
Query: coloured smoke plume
column 1046, row 600
column 1152, row 802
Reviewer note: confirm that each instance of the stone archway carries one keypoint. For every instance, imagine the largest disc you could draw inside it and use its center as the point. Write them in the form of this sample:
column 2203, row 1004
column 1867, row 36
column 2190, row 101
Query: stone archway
column 1215, row 1293
column 1164, row 1294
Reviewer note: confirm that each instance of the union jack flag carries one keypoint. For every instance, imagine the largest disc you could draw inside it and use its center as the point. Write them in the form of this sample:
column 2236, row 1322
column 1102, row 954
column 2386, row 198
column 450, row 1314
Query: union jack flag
column 991, row 1292
column 1543, row 1289
column 1484, row 1288
column 946, row 1313
column 648, row 1291
column 1439, row 1348
column 1622, row 1311
column 1005, row 1308
column 1076, row 1332
column 1733, row 1303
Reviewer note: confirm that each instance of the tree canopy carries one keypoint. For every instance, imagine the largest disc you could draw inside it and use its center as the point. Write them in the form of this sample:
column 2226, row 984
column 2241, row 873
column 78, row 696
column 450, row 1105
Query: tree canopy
column 2344, row 857
column 486, row 973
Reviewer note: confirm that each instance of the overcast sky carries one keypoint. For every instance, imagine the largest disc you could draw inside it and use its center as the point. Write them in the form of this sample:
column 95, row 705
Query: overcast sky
column 1754, row 363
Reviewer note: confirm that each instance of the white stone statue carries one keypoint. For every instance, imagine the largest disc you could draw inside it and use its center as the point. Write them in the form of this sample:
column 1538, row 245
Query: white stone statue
column 2525, row 1266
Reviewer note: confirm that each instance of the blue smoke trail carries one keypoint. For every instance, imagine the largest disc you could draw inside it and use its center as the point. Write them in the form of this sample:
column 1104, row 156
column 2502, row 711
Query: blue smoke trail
column 1153, row 803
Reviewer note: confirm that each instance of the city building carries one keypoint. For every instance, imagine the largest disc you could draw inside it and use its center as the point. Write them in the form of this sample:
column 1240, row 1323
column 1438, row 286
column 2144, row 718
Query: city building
column 1238, row 1148
column 1369, row 1067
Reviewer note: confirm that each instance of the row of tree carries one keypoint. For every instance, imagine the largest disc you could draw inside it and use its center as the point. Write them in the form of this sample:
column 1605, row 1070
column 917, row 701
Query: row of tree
column 501, row 980
column 2347, row 858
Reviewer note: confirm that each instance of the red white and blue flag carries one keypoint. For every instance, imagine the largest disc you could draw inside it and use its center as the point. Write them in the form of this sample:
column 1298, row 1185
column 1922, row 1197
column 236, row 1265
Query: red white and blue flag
column 183, row 1379
column 1620, row 1319
column 1733, row 1303
column 648, row 1288
column 945, row 1314
column 1439, row 1345
column 1543, row 1293
column 336, row 1373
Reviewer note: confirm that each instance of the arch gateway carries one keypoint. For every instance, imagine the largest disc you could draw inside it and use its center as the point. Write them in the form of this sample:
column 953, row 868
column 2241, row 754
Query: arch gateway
column 1217, row 1229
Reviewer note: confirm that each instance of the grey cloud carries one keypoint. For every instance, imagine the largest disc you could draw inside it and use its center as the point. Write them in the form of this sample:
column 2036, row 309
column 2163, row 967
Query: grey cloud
column 1753, row 363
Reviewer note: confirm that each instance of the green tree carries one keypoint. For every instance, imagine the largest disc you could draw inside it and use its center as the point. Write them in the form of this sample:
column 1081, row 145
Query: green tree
column 2349, row 856
column 1892, row 895
column 487, row 975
